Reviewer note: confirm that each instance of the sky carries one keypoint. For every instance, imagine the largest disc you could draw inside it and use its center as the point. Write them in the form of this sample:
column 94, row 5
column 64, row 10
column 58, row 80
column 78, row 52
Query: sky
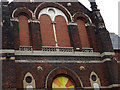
column 109, row 12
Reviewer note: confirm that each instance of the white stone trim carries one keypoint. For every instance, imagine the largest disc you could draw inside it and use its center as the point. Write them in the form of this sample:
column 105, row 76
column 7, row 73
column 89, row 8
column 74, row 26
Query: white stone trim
column 21, row 8
column 56, row 12
column 57, row 61
column 105, row 87
column 7, row 51
column 97, row 79
column 25, row 84
column 34, row 21
column 71, row 23
column 84, row 15
column 14, row 19
column 107, row 53
column 118, row 61
column 50, row 53
column 57, row 4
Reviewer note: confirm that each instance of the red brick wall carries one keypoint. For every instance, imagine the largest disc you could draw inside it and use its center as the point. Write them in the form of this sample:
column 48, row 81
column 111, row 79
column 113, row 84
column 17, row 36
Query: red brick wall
column 47, row 33
column 62, row 32
column 83, row 34
column 24, row 31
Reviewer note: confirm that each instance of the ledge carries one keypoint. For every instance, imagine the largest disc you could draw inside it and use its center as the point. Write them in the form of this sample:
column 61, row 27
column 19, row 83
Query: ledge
column 50, row 53
column 56, row 53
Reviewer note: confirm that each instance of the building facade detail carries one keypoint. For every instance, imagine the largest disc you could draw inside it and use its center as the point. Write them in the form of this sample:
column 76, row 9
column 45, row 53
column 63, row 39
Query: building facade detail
column 49, row 45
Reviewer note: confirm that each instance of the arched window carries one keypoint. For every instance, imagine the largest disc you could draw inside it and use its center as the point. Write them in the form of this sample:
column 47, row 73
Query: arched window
column 83, row 33
column 29, row 81
column 62, row 32
column 24, row 31
column 54, row 32
column 47, row 33
column 95, row 81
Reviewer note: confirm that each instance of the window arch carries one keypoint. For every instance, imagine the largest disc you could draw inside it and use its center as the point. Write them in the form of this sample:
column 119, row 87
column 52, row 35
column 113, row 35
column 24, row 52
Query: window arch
column 95, row 81
column 29, row 81
column 55, row 20
column 24, row 31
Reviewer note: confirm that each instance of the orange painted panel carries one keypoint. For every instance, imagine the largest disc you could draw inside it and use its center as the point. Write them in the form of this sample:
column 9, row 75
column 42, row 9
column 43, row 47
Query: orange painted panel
column 83, row 34
column 47, row 33
column 62, row 32
column 24, row 31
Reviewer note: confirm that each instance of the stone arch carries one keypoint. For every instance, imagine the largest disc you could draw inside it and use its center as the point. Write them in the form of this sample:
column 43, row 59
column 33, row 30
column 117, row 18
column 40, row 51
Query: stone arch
column 32, row 83
column 63, row 71
column 83, row 16
column 22, row 11
column 56, row 5
column 94, row 81
column 55, row 12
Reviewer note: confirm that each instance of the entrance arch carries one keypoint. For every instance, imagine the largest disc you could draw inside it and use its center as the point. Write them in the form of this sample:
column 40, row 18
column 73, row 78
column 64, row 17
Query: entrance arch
column 66, row 74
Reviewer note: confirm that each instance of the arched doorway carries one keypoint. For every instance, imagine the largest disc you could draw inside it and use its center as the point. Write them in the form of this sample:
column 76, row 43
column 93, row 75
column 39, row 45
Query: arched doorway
column 63, row 82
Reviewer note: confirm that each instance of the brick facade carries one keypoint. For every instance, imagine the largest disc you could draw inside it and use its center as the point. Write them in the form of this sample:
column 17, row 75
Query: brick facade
column 29, row 46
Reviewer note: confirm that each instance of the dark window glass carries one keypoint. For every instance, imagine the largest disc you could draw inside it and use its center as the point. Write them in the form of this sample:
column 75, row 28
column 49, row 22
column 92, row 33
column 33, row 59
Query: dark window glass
column 93, row 77
column 28, row 79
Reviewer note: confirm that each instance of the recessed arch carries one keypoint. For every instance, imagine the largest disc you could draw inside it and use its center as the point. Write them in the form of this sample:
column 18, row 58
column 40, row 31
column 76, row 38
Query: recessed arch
column 83, row 35
column 83, row 16
column 62, row 71
column 55, row 5
column 23, row 11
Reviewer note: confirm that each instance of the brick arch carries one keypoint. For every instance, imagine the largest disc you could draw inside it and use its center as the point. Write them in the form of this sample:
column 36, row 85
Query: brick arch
column 22, row 11
column 63, row 71
column 83, row 17
column 56, row 5
column 81, row 20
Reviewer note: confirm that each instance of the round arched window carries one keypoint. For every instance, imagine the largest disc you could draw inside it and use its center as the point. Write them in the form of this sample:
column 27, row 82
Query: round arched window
column 63, row 82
